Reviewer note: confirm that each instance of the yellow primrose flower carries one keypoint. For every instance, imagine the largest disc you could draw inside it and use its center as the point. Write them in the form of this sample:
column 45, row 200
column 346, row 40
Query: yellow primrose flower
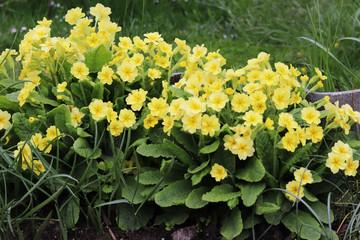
column 127, row 71
column 136, row 99
column 319, row 74
column 116, row 127
column 158, row 107
column 244, row 148
column 351, row 167
column 295, row 99
column 287, row 121
column 4, row 120
column 343, row 149
column 168, row 123
column 252, row 87
column 38, row 167
column 35, row 139
column 213, row 66
column 100, row 12
column 125, row 43
column 25, row 151
column 153, row 73
column 303, row 175
column 217, row 101
column 153, row 37
column 281, row 98
column 52, row 132
column 240, row 102
column 209, row 125
column 194, row 106
column 175, row 108
column 74, row 15
column 268, row 77
column 105, row 75
column 335, row 162
column 281, row 68
column 79, row 70
column 191, row 122
column 163, row 62
column 269, row 124
column 93, row 40
column 111, row 115
column 252, row 118
column 259, row 107
column 127, row 117
column 76, row 116
column 315, row 133
column 295, row 188
column 150, row 121
column 218, row 172
column 198, row 52
column 137, row 59
column 301, row 133
column 98, row 109
column 44, row 145
column 290, row 141
column 61, row 87
column 230, row 142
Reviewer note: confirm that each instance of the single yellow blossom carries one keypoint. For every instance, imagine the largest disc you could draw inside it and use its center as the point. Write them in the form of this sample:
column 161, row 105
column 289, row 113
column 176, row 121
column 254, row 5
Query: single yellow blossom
column 295, row 188
column 303, row 175
column 218, row 172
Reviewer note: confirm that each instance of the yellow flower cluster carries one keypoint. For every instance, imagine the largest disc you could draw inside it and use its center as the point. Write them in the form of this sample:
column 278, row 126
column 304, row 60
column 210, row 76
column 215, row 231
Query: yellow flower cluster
column 303, row 176
column 341, row 158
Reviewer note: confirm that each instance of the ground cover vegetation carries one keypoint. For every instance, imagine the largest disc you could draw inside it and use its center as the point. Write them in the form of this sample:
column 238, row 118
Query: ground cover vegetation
column 89, row 113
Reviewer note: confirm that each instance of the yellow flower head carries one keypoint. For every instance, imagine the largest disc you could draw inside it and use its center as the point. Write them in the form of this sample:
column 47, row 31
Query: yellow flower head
column 127, row 71
column 98, row 109
column 168, row 123
column 218, row 172
column 76, row 116
column 209, row 125
column 44, row 145
column 286, row 120
column 351, row 167
column 315, row 133
column 150, row 121
column 79, row 70
column 93, row 40
column 154, row 37
column 319, row 74
column 25, row 151
column 100, row 12
column 244, row 148
column 105, row 75
column 194, row 106
column 269, row 124
column 240, row 102
column 281, row 98
column 4, row 120
column 290, row 141
column 154, row 73
column 335, row 162
column 343, row 149
column 38, row 167
column 158, row 107
column 127, row 117
column 52, row 132
column 136, row 99
column 191, row 122
column 295, row 188
column 213, row 66
column 303, row 175
column 74, row 15
column 252, row 118
column 61, row 87
column 217, row 101
column 116, row 127
column 175, row 109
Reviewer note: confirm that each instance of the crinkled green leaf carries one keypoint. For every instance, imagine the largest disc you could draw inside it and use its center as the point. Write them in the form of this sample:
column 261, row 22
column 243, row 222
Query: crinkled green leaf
column 150, row 177
column 179, row 153
column 174, row 194
column 96, row 58
column 127, row 220
column 232, row 225
column 7, row 105
column 185, row 139
column 210, row 148
column 60, row 116
column 132, row 191
column 250, row 192
column 22, row 127
column 253, row 171
column 264, row 149
column 321, row 211
column 265, row 208
column 154, row 150
column 195, row 169
column 194, row 200
column 303, row 224
column 70, row 213
column 197, row 177
column 300, row 154
column 82, row 147
column 98, row 91
column 221, row 193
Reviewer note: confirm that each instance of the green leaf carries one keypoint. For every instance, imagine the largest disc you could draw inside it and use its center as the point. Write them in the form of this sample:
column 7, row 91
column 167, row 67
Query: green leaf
column 264, row 149
column 154, row 150
column 303, row 224
column 265, row 208
column 179, row 153
column 185, row 139
column 250, row 192
column 300, row 154
column 310, row 196
column 195, row 169
column 98, row 91
column 273, row 218
column 82, row 147
column 180, row 93
column 210, row 148
column 321, row 211
column 81, row 133
column 45, row 100
column 127, row 220
column 132, row 191
column 197, row 177
column 172, row 216
column 251, row 221
column 60, row 116
column 174, row 194
column 194, row 200
column 232, row 225
column 96, row 58
column 150, row 177
column 22, row 127
column 327, row 237
column 220, row 155
column 70, row 213
column 221, row 193
column 253, row 171
column 232, row 203
column 6, row 104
